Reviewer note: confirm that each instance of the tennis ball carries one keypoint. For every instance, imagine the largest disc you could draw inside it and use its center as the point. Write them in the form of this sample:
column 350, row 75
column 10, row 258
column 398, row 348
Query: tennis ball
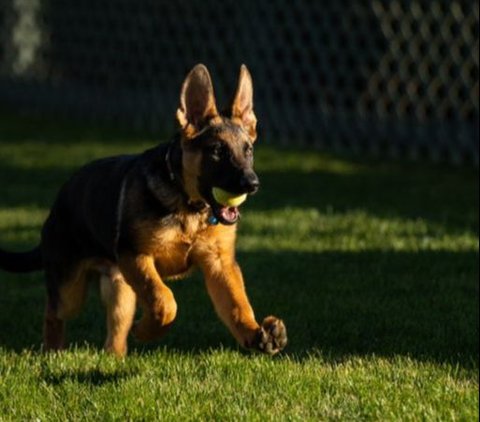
column 228, row 199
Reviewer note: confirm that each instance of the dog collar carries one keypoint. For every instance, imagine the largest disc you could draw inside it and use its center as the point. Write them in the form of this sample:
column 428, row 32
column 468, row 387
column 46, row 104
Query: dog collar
column 171, row 174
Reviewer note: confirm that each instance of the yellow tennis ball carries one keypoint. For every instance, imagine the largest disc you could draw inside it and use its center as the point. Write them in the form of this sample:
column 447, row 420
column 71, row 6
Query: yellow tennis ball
column 228, row 199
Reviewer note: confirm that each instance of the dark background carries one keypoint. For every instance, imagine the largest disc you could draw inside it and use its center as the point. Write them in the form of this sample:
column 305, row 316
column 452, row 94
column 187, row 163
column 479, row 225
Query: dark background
column 389, row 78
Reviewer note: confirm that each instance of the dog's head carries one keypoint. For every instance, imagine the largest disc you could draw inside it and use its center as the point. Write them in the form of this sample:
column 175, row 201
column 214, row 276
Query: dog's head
column 217, row 148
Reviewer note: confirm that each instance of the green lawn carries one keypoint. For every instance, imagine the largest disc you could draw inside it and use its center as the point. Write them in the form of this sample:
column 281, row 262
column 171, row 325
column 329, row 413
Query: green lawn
column 373, row 266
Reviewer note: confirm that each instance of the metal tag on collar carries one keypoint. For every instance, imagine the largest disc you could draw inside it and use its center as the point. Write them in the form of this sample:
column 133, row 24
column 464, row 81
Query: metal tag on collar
column 212, row 220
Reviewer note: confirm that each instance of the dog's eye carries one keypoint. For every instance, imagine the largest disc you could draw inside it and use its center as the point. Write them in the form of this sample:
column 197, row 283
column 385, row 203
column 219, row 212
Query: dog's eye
column 215, row 151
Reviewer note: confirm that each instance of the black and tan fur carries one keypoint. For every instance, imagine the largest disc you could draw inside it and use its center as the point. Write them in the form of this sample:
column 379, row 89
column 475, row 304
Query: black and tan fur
column 140, row 220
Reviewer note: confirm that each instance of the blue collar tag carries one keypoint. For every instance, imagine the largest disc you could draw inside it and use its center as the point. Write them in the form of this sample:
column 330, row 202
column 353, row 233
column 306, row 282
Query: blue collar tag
column 212, row 220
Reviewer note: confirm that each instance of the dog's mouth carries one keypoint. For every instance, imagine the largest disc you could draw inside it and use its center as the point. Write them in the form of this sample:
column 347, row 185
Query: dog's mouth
column 225, row 205
column 226, row 215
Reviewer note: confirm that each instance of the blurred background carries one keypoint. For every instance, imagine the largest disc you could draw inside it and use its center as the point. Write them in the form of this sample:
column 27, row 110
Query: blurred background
column 389, row 78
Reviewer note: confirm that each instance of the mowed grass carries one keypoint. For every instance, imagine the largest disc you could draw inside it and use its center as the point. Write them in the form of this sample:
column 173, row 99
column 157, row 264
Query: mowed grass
column 373, row 265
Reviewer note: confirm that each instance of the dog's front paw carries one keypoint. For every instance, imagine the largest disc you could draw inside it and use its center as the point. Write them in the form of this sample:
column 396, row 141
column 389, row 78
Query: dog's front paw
column 272, row 336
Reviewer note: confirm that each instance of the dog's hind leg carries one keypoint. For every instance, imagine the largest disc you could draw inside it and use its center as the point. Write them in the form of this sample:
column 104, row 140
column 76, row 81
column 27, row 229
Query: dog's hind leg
column 120, row 303
column 53, row 327
column 66, row 292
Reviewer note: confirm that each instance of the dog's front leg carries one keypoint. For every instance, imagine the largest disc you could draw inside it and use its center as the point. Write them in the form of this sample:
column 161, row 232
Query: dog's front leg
column 155, row 298
column 226, row 288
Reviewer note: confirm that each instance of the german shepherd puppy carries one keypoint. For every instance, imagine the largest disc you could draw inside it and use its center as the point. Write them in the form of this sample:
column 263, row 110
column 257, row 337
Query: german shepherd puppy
column 140, row 220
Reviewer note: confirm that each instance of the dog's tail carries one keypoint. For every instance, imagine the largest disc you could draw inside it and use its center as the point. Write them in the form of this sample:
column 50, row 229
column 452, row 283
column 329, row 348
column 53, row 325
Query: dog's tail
column 21, row 262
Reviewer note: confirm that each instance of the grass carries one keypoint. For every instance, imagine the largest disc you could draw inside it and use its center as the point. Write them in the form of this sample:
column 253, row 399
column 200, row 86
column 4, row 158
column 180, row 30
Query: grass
column 373, row 265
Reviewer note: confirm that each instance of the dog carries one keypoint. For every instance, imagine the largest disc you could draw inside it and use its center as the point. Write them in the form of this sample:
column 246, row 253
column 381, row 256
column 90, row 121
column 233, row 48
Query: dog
column 139, row 220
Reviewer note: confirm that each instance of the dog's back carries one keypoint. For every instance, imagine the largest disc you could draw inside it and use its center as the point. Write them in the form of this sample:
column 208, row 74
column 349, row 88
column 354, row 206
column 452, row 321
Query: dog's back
column 85, row 214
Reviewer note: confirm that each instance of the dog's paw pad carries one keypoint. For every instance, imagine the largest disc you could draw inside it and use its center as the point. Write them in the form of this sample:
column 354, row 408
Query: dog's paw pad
column 272, row 337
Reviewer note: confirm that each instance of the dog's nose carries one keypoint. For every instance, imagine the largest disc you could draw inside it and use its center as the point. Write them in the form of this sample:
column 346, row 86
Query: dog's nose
column 249, row 182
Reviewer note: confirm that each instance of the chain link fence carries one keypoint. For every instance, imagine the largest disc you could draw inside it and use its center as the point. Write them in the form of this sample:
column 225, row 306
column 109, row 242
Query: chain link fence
column 396, row 78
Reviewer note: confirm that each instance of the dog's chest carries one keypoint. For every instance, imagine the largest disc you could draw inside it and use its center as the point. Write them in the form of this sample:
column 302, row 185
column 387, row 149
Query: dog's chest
column 171, row 244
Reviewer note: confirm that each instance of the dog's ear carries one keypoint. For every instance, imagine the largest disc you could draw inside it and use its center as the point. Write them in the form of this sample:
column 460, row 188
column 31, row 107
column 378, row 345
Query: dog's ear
column 242, row 106
column 197, row 101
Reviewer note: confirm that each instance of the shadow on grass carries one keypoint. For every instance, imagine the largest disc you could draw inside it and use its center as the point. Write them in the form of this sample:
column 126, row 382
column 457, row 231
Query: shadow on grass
column 16, row 128
column 30, row 187
column 439, row 196
column 94, row 377
column 423, row 305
